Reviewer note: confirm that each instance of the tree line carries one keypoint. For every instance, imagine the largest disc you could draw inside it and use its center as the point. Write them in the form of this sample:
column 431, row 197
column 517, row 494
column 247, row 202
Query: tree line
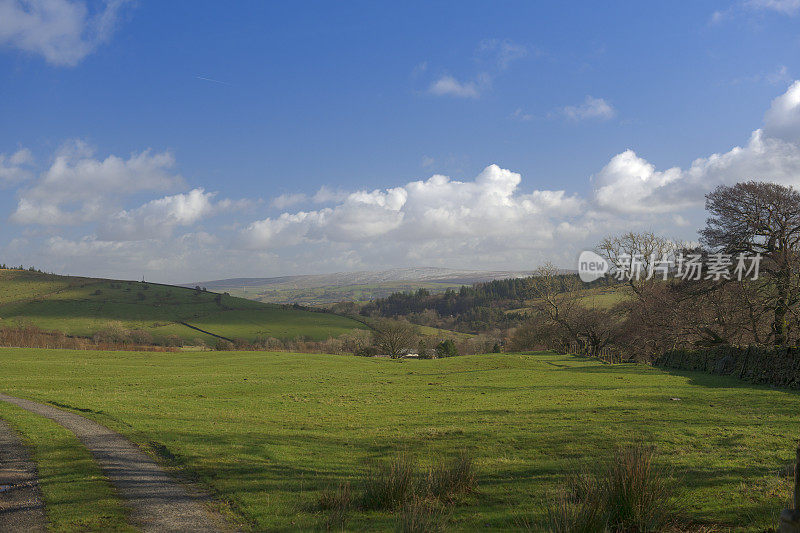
column 746, row 220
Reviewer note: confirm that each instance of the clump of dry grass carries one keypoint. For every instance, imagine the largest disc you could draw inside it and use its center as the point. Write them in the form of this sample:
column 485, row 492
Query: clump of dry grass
column 422, row 498
column 629, row 493
column 338, row 502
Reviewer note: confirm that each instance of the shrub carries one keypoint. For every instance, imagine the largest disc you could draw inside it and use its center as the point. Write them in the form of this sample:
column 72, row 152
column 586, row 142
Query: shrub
column 173, row 340
column 114, row 332
column 446, row 348
column 223, row 345
column 140, row 336
column 367, row 351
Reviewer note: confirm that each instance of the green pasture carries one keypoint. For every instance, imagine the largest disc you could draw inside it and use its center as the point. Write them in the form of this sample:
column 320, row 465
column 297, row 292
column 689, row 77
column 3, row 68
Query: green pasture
column 84, row 306
column 268, row 432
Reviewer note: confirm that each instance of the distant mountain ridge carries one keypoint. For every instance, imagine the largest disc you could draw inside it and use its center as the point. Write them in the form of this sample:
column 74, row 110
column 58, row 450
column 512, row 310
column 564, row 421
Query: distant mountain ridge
column 367, row 277
column 325, row 289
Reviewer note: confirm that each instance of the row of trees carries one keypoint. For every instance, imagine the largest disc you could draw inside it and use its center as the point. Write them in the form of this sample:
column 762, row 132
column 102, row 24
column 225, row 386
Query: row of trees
column 747, row 218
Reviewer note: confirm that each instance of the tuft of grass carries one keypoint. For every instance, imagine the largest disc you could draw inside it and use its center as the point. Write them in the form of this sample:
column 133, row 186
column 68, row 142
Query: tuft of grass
column 451, row 478
column 565, row 514
column 638, row 494
column 422, row 515
column 338, row 502
column 388, row 485
column 629, row 493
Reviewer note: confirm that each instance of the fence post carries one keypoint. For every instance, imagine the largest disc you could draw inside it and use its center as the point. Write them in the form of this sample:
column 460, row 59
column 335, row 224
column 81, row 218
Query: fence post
column 790, row 518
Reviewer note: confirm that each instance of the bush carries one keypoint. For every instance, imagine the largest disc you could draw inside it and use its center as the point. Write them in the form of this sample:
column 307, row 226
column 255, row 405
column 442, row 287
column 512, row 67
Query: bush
column 629, row 493
column 446, row 348
column 223, row 345
column 173, row 341
column 141, row 337
column 367, row 351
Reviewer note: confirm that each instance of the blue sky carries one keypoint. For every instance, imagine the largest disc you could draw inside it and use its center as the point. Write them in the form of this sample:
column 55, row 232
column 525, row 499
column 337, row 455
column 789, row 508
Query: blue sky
column 147, row 138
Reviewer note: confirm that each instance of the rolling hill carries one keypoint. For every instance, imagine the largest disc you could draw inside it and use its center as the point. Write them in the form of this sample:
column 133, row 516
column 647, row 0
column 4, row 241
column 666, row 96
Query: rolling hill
column 81, row 306
column 351, row 286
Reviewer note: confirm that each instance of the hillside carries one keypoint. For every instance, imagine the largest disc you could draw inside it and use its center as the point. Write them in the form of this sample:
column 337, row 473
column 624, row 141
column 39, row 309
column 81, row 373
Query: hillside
column 83, row 306
column 351, row 286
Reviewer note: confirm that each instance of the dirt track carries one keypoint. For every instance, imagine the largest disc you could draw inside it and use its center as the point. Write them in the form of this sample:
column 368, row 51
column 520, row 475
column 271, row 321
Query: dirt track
column 157, row 502
column 21, row 507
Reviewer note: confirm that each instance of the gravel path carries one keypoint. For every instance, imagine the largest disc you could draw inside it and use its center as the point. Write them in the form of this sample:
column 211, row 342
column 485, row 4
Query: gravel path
column 21, row 507
column 157, row 502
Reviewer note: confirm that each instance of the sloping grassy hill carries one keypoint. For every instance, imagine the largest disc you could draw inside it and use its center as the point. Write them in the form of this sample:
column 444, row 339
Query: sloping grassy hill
column 83, row 306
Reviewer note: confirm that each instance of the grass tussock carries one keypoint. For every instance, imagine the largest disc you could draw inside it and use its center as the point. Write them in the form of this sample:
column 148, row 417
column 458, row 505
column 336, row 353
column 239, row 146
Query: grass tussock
column 422, row 515
column 337, row 502
column 387, row 485
column 451, row 478
column 421, row 498
column 629, row 493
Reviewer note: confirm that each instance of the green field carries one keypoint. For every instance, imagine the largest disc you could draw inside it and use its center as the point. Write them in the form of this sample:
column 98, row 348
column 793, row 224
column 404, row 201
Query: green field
column 267, row 432
column 84, row 306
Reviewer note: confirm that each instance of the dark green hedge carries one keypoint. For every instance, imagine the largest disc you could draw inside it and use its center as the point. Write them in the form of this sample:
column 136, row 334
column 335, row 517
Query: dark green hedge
column 772, row 366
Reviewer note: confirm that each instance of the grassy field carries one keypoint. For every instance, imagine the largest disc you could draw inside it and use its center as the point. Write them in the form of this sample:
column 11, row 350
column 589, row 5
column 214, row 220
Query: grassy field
column 268, row 432
column 83, row 306
column 598, row 297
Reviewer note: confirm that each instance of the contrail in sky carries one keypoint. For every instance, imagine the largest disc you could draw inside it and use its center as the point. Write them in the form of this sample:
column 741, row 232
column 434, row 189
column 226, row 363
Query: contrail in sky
column 212, row 79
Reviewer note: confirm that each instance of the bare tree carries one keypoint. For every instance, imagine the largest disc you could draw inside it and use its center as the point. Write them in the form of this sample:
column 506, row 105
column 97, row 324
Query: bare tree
column 643, row 251
column 392, row 337
column 761, row 218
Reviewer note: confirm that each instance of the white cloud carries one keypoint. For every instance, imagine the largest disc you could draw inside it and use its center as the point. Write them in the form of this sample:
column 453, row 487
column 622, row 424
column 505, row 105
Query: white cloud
column 491, row 221
column 449, row 86
column 79, row 188
column 782, row 119
column 787, row 7
column 287, row 200
column 438, row 212
column 62, row 31
column 502, row 52
column 591, row 108
column 521, row 115
column 16, row 167
column 630, row 184
column 158, row 218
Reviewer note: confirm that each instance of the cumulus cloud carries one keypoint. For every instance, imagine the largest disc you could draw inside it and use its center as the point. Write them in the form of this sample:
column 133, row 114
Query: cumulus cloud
column 62, row 31
column 630, row 184
column 15, row 167
column 439, row 212
column 490, row 221
column 591, row 108
column 78, row 187
column 158, row 218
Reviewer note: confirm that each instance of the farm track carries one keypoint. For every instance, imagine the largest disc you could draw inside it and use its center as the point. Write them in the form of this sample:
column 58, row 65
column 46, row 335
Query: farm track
column 21, row 506
column 157, row 502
